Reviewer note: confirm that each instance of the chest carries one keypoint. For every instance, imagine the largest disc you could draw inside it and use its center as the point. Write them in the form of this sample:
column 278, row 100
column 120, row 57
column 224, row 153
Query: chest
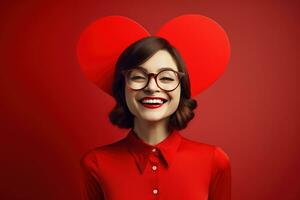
column 185, row 178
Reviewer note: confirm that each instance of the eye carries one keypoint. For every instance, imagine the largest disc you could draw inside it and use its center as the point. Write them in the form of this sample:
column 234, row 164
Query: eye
column 166, row 79
column 133, row 78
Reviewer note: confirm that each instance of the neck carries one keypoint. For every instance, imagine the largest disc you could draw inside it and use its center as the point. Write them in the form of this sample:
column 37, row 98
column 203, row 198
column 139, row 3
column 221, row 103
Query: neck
column 151, row 132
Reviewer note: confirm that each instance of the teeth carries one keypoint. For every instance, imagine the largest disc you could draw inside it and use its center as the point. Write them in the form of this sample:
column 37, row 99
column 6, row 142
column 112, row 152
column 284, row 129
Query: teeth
column 152, row 101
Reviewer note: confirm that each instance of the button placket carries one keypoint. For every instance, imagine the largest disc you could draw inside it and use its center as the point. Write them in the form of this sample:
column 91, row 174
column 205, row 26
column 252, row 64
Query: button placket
column 155, row 178
column 154, row 164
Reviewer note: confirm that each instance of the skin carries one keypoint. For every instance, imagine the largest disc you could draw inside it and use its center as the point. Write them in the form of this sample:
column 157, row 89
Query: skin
column 151, row 124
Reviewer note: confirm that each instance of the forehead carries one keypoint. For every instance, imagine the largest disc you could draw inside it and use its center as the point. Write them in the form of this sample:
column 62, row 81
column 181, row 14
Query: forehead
column 161, row 59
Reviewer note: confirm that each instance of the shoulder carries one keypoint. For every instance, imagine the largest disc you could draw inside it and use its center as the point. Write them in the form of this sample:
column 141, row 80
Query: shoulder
column 92, row 156
column 218, row 156
column 197, row 146
column 221, row 158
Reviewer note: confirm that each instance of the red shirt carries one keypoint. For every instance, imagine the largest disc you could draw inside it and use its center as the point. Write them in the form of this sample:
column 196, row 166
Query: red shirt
column 175, row 169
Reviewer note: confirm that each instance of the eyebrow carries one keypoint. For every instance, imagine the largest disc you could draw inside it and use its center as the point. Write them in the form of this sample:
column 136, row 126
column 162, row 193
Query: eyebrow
column 160, row 69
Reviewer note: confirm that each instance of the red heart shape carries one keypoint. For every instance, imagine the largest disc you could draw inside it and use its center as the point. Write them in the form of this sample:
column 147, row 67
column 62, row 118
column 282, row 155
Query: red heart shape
column 202, row 43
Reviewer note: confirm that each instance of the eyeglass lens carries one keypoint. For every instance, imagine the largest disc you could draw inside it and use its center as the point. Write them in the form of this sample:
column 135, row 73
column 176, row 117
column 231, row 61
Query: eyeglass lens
column 166, row 79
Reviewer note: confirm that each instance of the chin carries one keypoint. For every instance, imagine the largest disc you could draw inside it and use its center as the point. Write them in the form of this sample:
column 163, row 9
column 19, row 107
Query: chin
column 152, row 117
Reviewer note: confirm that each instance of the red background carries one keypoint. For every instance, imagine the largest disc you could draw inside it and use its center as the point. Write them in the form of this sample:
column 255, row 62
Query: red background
column 51, row 115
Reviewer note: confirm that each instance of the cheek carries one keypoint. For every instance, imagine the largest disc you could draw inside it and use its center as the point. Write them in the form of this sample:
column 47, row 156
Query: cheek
column 130, row 100
column 175, row 96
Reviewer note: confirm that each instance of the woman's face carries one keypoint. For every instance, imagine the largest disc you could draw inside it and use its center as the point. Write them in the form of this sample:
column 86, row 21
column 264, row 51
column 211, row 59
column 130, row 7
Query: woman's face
column 145, row 109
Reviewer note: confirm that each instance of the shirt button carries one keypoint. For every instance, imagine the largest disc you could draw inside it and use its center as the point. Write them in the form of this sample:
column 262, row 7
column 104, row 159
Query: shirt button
column 155, row 191
column 154, row 150
column 154, row 167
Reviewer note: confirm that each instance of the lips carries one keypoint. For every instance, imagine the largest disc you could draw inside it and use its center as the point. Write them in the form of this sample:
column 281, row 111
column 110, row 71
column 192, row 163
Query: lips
column 152, row 98
column 152, row 102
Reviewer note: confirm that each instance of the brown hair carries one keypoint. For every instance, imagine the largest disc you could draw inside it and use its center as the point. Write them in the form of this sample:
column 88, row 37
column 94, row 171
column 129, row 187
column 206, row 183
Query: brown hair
column 136, row 54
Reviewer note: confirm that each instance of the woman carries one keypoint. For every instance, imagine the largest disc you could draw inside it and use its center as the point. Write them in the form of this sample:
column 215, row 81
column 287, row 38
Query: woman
column 154, row 161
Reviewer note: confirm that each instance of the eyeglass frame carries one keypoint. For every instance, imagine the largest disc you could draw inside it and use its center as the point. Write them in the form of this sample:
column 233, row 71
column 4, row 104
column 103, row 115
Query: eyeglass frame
column 179, row 75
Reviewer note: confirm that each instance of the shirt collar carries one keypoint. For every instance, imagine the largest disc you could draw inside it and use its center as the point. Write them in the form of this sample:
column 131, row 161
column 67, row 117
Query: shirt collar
column 141, row 151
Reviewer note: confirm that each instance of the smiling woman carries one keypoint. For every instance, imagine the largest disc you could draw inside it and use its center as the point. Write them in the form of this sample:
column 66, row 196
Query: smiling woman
column 152, row 92
column 152, row 89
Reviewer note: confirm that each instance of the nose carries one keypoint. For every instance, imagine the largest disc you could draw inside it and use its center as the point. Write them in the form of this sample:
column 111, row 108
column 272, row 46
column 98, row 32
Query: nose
column 152, row 86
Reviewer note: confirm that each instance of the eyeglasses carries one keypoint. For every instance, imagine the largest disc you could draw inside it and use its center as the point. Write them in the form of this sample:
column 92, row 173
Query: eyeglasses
column 167, row 79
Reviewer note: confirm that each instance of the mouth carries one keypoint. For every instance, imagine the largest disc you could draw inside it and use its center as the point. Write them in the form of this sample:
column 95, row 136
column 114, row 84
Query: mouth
column 152, row 102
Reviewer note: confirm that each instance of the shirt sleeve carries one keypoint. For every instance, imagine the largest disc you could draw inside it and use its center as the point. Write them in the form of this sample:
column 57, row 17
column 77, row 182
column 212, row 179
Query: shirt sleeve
column 220, row 185
column 90, row 185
